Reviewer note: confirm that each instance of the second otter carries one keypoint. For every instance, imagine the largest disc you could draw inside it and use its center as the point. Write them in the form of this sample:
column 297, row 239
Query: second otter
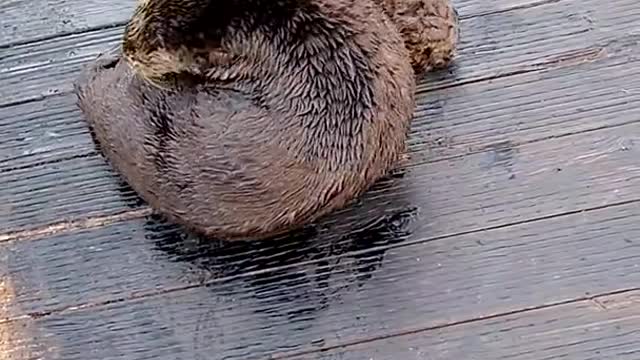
column 245, row 119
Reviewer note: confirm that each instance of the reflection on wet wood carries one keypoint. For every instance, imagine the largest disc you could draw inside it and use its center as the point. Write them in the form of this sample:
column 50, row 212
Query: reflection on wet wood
column 511, row 234
column 17, row 332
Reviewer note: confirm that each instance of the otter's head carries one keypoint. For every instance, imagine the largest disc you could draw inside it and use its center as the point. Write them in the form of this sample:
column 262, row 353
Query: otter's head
column 165, row 38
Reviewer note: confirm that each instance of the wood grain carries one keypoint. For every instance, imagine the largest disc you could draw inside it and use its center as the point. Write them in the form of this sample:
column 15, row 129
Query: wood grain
column 136, row 289
column 37, row 70
column 77, row 187
column 32, row 20
column 604, row 327
column 41, row 132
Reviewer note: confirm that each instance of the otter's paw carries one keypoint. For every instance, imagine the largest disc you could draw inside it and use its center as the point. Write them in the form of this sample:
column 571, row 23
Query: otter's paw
column 430, row 30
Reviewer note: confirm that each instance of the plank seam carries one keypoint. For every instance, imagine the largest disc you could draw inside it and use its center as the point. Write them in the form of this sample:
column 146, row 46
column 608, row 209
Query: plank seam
column 589, row 54
column 34, row 98
column 47, row 162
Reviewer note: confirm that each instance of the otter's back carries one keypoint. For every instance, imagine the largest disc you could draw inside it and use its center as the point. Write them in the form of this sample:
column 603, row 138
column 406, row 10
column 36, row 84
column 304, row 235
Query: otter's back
column 207, row 158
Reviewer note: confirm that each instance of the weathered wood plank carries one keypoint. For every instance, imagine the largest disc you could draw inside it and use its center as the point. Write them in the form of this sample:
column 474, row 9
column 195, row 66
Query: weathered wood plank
column 525, row 108
column 606, row 327
column 493, row 45
column 131, row 290
column 483, row 122
column 37, row 70
column 31, row 20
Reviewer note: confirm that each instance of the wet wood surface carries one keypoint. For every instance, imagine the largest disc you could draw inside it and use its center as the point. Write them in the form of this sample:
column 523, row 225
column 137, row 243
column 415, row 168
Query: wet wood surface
column 512, row 234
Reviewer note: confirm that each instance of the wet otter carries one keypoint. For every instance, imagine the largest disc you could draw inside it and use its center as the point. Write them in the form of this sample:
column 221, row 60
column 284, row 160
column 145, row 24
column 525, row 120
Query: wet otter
column 245, row 119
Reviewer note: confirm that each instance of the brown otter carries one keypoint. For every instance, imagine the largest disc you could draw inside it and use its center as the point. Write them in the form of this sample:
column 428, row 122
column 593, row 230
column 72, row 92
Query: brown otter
column 245, row 119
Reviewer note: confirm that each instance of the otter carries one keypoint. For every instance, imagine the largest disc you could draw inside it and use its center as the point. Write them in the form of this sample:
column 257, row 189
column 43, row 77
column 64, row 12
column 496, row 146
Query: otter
column 247, row 119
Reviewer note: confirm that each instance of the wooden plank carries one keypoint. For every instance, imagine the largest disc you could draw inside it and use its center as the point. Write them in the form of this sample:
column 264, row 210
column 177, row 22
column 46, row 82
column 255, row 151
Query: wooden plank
column 43, row 131
column 606, row 327
column 78, row 187
column 527, row 39
column 32, row 20
column 134, row 290
column 483, row 123
column 37, row 70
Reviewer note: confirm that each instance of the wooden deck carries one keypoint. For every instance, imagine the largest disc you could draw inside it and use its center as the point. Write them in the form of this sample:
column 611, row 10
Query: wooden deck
column 514, row 234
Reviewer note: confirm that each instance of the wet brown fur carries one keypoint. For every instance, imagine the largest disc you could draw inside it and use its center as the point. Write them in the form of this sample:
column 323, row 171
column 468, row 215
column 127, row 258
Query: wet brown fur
column 245, row 119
